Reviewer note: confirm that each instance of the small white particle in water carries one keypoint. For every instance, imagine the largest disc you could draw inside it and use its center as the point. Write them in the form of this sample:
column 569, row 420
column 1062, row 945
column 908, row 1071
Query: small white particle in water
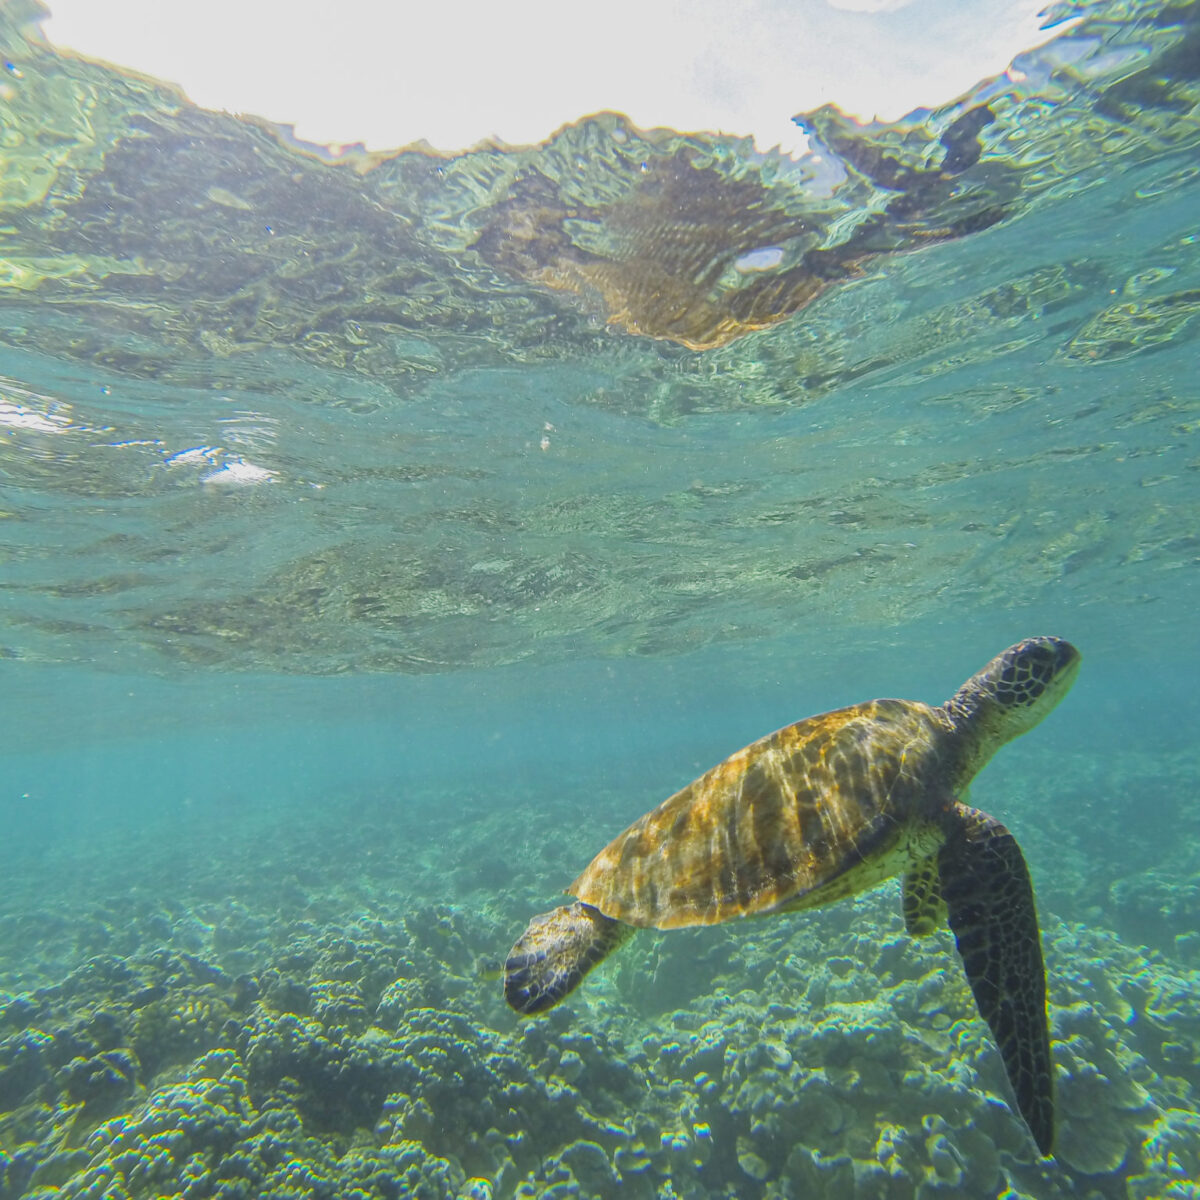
column 545, row 442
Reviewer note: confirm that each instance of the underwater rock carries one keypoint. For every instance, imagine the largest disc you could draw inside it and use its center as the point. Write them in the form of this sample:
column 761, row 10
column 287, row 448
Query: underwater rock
column 179, row 1027
column 461, row 1091
column 342, row 1079
column 753, row 1166
column 287, row 995
column 570, row 1066
column 180, row 1128
column 398, row 999
column 100, row 1080
column 1156, row 900
column 591, row 1167
column 24, row 1066
column 1101, row 1104
column 1170, row 1157
column 205, row 1137
column 338, row 1002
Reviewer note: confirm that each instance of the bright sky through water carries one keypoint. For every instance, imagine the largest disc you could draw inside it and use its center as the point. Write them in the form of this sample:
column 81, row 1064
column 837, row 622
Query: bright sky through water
column 388, row 74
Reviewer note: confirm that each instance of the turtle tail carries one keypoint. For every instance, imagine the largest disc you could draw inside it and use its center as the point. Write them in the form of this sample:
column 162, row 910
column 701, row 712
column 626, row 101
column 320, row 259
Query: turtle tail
column 555, row 952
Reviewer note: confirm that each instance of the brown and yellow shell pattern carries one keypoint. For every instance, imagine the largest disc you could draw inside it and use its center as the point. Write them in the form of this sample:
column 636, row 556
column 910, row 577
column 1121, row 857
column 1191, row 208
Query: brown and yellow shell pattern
column 818, row 810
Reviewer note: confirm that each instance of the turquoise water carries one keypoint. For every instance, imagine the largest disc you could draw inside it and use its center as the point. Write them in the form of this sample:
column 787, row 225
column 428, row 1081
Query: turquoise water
column 379, row 537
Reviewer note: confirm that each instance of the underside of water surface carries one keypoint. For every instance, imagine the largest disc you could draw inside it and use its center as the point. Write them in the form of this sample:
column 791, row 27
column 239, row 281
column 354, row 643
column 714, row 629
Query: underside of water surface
column 381, row 533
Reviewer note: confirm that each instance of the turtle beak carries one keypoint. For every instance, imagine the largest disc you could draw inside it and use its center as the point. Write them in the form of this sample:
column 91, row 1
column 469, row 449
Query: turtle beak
column 1066, row 660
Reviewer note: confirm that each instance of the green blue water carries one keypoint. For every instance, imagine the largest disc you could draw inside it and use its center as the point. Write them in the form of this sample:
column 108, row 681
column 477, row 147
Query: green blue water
column 379, row 536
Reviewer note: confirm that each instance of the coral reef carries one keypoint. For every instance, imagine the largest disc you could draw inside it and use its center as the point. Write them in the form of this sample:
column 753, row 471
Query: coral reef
column 299, row 1023
column 833, row 1056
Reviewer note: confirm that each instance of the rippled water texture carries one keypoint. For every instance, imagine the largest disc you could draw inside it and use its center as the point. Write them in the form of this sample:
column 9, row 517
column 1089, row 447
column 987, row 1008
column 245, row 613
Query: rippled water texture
column 379, row 535
column 467, row 393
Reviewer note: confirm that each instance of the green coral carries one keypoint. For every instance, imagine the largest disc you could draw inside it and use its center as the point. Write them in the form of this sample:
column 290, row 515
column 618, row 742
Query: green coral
column 205, row 1137
column 843, row 1081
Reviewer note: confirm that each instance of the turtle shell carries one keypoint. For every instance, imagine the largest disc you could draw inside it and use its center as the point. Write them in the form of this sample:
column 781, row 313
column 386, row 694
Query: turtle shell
column 815, row 811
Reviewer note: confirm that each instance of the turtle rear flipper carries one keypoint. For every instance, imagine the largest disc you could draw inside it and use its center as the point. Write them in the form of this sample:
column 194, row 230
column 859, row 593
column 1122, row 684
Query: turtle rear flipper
column 985, row 885
column 555, row 952
column 921, row 899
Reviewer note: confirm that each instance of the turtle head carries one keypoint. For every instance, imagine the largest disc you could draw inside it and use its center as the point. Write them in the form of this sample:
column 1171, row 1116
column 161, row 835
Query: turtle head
column 1014, row 691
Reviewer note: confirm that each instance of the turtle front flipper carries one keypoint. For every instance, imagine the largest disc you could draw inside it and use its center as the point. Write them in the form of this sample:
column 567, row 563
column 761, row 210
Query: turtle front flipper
column 921, row 899
column 555, row 952
column 985, row 885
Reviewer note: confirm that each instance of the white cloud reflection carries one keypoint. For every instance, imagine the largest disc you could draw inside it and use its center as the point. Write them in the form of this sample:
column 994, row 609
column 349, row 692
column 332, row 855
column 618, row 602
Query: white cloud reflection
column 389, row 74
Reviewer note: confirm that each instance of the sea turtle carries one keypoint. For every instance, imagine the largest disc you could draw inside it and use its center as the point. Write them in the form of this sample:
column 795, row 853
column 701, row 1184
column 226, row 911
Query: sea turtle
column 826, row 808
